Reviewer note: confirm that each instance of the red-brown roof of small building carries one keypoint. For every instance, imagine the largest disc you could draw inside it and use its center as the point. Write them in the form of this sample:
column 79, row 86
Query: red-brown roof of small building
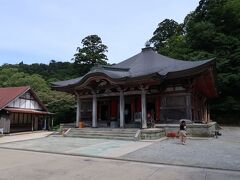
column 8, row 94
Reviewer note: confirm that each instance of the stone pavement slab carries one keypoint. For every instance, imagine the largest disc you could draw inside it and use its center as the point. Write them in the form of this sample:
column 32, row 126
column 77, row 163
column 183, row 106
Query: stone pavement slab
column 79, row 146
column 24, row 136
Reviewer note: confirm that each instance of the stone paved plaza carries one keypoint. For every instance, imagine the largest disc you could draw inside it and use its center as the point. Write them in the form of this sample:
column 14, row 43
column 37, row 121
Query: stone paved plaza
column 78, row 146
column 221, row 153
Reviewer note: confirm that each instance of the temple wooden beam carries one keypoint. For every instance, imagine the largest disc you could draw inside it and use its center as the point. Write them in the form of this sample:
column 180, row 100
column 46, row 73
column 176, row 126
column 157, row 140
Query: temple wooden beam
column 110, row 94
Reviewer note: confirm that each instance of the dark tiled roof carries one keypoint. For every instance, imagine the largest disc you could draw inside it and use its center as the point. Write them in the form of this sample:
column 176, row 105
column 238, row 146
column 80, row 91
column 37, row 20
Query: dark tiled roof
column 142, row 64
column 8, row 94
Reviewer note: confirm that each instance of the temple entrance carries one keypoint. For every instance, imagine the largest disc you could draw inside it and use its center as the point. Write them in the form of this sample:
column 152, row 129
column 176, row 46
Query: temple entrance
column 127, row 113
column 104, row 112
column 151, row 111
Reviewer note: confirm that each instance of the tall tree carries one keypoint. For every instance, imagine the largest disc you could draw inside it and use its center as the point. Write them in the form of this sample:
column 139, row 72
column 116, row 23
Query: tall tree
column 91, row 53
column 165, row 30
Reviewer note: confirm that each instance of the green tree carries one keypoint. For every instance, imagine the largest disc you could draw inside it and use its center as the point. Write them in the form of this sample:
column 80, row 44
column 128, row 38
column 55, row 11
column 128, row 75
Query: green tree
column 212, row 30
column 91, row 53
column 166, row 29
column 60, row 103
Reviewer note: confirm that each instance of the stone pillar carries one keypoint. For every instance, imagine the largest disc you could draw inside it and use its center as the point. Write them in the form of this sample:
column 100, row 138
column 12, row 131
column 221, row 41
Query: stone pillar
column 94, row 111
column 122, row 107
column 78, row 112
column 144, row 109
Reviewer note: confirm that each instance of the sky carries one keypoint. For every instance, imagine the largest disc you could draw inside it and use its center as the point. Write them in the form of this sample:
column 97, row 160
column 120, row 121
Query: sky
column 37, row 31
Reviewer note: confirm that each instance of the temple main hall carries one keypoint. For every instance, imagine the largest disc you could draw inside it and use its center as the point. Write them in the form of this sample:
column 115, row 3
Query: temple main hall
column 143, row 89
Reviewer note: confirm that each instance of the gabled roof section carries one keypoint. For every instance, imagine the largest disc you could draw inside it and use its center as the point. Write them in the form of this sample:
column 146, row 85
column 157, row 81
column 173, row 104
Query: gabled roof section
column 145, row 63
column 8, row 94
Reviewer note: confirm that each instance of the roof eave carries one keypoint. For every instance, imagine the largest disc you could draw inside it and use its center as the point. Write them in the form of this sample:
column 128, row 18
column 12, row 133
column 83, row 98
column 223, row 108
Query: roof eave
column 192, row 71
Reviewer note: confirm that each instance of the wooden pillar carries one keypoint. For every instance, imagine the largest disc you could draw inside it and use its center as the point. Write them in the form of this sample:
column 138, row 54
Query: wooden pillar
column 122, row 107
column 45, row 123
column 193, row 107
column 144, row 109
column 113, row 109
column 94, row 111
column 158, row 105
column 78, row 112
column 205, row 113
column 208, row 116
column 132, row 108
column 189, row 107
column 33, row 120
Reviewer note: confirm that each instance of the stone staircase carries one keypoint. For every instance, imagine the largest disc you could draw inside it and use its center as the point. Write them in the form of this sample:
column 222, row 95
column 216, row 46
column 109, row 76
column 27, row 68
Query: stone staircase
column 103, row 133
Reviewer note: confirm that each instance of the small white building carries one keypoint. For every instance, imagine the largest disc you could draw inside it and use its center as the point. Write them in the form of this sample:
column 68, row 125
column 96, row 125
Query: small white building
column 22, row 110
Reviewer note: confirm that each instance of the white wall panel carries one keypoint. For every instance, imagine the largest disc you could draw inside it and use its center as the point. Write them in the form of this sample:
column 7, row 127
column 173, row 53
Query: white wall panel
column 25, row 102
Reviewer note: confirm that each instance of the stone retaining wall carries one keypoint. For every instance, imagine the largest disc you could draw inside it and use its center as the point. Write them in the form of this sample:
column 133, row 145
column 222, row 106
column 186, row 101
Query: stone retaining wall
column 151, row 134
column 195, row 129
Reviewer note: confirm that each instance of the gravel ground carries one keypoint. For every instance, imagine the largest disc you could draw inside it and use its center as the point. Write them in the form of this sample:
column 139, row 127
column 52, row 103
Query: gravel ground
column 223, row 153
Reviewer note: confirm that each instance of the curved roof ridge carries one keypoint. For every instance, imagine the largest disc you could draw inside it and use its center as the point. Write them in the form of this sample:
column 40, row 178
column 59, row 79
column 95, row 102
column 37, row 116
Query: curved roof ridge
column 67, row 82
column 144, row 63
column 130, row 60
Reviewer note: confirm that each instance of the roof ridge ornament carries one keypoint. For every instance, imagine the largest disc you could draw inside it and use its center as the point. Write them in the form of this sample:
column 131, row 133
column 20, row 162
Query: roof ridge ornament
column 147, row 44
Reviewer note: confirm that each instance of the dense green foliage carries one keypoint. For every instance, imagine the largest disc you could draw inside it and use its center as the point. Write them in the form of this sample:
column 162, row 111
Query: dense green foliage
column 164, row 31
column 58, row 102
column 50, row 72
column 90, row 54
column 40, row 76
column 212, row 30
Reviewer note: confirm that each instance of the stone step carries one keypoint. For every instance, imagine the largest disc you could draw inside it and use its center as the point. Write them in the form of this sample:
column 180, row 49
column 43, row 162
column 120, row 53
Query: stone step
column 103, row 132
column 102, row 137
column 122, row 134
column 99, row 134
column 106, row 129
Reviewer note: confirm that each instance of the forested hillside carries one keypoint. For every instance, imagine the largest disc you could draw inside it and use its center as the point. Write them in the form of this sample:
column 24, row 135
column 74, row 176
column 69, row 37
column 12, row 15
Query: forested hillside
column 40, row 76
column 211, row 31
